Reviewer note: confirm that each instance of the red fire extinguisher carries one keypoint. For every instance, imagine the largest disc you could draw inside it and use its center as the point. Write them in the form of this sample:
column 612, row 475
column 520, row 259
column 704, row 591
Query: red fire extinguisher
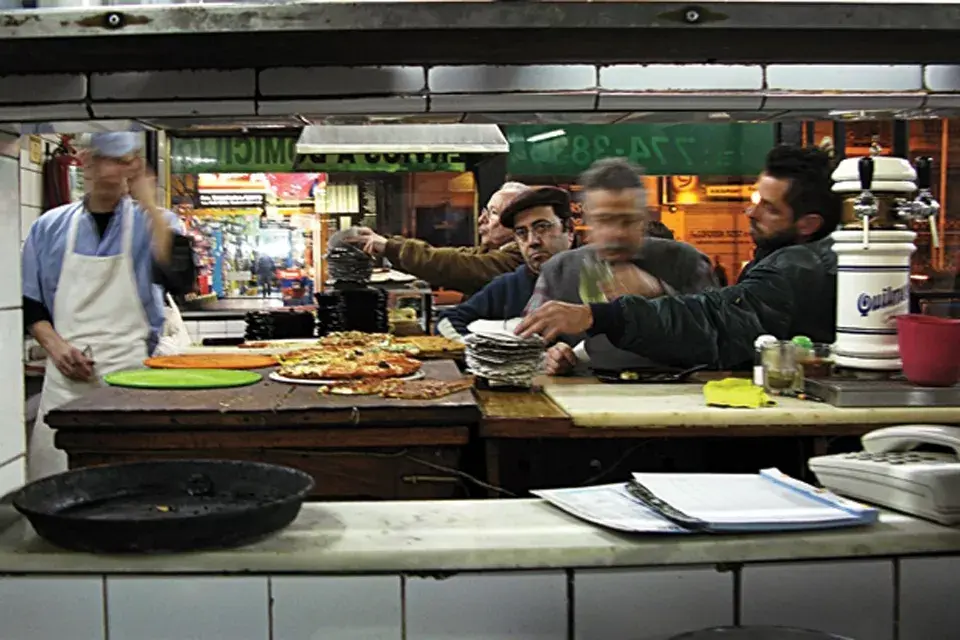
column 62, row 176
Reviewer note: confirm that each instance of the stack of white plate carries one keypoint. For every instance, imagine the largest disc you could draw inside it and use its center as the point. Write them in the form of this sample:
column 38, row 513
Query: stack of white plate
column 495, row 353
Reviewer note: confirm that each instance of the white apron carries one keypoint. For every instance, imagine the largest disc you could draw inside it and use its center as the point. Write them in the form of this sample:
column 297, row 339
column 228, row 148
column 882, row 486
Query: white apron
column 97, row 305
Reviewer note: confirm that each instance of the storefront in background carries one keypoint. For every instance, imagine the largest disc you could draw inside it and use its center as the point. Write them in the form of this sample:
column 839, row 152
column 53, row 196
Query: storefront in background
column 699, row 177
column 431, row 196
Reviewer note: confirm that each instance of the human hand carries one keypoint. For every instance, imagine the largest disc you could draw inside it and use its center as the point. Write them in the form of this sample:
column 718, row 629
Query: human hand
column 630, row 280
column 555, row 319
column 71, row 362
column 560, row 359
column 369, row 241
column 143, row 185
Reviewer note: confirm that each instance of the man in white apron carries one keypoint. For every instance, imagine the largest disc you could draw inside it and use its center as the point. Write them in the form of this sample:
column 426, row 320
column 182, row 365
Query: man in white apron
column 88, row 265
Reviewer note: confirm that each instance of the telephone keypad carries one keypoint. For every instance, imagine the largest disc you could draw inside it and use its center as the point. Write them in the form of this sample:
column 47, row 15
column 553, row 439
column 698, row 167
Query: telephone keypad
column 899, row 457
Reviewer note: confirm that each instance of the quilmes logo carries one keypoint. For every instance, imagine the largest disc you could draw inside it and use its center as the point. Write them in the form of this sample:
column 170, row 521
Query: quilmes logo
column 867, row 303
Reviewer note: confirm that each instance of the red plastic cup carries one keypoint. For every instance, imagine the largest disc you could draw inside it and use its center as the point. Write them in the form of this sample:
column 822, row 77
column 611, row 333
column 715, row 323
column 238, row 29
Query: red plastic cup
column 929, row 349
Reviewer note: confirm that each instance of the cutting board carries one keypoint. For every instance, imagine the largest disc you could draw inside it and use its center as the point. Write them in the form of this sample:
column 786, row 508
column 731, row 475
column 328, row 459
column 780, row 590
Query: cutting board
column 182, row 378
column 594, row 404
column 212, row 361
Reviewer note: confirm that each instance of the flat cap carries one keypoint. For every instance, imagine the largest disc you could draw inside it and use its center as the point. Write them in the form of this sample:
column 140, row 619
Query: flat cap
column 553, row 197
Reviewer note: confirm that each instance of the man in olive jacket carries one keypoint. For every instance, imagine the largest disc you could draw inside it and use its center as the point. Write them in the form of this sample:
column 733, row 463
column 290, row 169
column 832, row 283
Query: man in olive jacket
column 789, row 289
column 463, row 269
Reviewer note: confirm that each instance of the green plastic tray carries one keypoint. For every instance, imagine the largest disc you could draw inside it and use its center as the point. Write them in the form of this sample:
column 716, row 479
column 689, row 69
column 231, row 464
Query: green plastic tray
column 182, row 378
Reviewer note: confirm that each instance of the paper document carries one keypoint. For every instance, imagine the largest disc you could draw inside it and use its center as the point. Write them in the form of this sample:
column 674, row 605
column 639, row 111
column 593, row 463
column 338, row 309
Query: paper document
column 768, row 501
column 609, row 505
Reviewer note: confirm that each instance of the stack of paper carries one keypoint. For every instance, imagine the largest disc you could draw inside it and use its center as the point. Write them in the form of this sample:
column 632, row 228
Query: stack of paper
column 706, row 502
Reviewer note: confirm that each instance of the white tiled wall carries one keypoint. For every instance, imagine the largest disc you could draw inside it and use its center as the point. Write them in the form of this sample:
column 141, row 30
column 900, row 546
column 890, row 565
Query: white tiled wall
column 12, row 432
column 200, row 329
column 928, row 598
column 197, row 608
column 853, row 599
column 349, row 608
column 55, row 607
column 650, row 604
column 494, row 606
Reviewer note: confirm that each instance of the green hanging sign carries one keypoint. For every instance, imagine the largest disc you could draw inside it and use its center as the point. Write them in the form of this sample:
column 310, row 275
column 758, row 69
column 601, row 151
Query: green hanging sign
column 278, row 154
column 733, row 149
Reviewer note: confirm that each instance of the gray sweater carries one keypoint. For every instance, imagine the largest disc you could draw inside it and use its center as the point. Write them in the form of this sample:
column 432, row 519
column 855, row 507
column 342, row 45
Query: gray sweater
column 679, row 266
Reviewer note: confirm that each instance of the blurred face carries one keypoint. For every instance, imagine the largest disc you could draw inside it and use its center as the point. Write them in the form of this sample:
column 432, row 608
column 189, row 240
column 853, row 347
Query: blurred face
column 108, row 177
column 540, row 234
column 492, row 233
column 772, row 223
column 616, row 220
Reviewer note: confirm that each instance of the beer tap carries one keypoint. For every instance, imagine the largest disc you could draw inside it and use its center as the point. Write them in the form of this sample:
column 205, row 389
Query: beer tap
column 865, row 206
column 924, row 206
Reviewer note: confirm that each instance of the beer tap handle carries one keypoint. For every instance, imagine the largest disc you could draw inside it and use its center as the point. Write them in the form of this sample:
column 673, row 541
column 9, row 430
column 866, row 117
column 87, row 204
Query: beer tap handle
column 865, row 168
column 924, row 166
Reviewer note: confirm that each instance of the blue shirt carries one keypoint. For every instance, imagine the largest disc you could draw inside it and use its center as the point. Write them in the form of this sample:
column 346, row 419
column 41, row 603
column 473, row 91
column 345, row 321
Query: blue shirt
column 47, row 241
column 502, row 298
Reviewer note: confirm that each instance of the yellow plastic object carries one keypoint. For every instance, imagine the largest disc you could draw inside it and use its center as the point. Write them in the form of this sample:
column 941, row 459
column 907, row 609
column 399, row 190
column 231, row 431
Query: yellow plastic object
column 735, row 392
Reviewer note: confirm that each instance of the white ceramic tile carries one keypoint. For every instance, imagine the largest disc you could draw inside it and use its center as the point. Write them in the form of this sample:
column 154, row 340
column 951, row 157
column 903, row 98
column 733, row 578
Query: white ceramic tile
column 12, row 475
column 928, row 597
column 491, row 606
column 650, row 604
column 216, row 328
column 337, row 608
column 28, row 215
column 852, row 598
column 12, row 432
column 159, row 608
column 9, row 144
column 236, row 328
column 31, row 187
column 9, row 232
column 51, row 608
column 193, row 330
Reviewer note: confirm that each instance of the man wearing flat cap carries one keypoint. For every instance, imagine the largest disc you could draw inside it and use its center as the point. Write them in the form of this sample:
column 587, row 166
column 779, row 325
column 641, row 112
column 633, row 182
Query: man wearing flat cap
column 89, row 292
column 542, row 227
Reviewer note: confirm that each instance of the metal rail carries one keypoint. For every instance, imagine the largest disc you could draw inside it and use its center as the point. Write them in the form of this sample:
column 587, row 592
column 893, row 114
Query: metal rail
column 335, row 33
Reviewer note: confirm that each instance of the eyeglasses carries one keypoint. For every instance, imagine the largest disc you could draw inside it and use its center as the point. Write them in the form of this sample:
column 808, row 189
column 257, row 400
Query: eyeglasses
column 540, row 229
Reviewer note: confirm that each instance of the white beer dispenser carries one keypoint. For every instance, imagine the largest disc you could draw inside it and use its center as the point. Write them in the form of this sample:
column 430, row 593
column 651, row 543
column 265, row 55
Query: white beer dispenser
column 873, row 246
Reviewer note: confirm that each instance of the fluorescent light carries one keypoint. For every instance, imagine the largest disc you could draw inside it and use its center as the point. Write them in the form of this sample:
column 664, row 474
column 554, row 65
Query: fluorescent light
column 547, row 135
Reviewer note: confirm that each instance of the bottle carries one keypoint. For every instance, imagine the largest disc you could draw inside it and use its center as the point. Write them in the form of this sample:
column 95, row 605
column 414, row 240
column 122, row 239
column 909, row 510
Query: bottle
column 758, row 346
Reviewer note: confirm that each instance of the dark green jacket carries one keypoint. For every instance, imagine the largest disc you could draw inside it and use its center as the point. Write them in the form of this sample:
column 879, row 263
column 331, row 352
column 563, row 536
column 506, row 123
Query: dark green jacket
column 793, row 291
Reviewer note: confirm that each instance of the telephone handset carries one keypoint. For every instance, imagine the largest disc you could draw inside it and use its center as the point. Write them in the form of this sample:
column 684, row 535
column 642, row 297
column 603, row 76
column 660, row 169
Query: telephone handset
column 909, row 437
column 892, row 472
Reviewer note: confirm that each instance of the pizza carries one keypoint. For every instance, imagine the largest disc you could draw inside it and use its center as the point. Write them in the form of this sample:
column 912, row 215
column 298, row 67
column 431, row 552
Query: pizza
column 363, row 387
column 433, row 345
column 354, row 339
column 399, row 389
column 424, row 389
column 331, row 365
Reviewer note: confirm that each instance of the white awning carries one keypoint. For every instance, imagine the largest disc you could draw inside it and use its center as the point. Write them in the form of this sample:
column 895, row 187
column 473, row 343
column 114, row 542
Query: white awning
column 402, row 138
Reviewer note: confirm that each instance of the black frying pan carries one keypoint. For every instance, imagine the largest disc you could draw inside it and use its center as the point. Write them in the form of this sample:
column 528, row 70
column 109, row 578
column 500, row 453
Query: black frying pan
column 169, row 505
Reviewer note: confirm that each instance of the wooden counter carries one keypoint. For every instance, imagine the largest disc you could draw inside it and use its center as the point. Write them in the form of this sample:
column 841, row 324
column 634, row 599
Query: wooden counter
column 579, row 430
column 356, row 447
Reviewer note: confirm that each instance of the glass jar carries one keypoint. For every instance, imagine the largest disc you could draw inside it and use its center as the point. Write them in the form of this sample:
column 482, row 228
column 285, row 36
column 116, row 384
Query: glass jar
column 782, row 373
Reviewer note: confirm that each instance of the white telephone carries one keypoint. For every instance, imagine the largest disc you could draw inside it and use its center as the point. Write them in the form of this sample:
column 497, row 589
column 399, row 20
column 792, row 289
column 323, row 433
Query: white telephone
column 890, row 472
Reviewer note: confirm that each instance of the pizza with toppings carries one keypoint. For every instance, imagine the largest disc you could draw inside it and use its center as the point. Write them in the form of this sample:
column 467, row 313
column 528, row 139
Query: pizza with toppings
column 433, row 346
column 355, row 339
column 398, row 389
column 424, row 389
column 329, row 365
column 365, row 387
